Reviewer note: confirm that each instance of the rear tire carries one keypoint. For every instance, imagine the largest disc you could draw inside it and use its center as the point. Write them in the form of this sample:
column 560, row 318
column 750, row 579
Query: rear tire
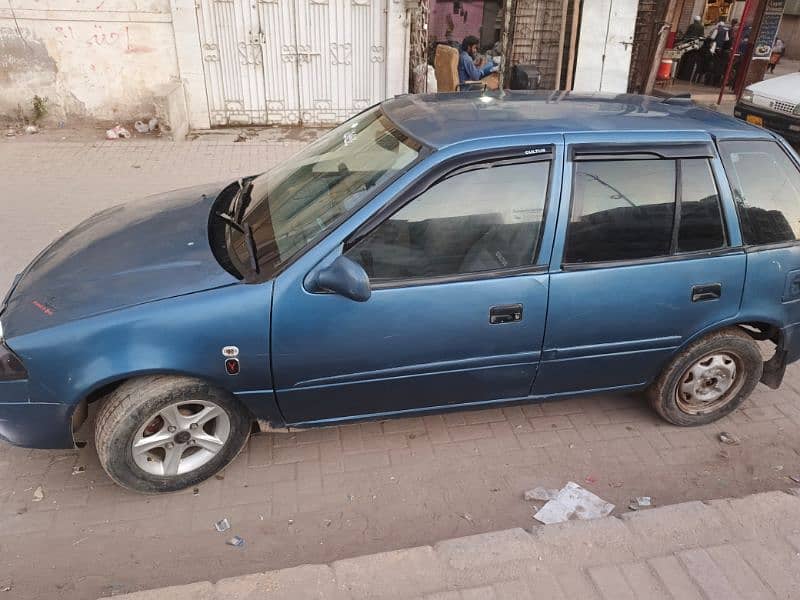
column 165, row 433
column 707, row 380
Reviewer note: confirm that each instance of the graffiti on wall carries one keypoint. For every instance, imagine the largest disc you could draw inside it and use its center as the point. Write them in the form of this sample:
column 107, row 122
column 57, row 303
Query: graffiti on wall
column 103, row 36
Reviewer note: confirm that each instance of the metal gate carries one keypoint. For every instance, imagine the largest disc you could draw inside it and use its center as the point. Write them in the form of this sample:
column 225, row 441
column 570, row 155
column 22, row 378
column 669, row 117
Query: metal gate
column 284, row 62
column 536, row 37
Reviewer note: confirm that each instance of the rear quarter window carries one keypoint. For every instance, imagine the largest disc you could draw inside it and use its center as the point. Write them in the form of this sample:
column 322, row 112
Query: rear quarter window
column 766, row 189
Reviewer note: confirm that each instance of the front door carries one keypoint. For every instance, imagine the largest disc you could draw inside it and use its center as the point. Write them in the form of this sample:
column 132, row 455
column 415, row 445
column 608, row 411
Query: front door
column 284, row 62
column 458, row 306
column 645, row 262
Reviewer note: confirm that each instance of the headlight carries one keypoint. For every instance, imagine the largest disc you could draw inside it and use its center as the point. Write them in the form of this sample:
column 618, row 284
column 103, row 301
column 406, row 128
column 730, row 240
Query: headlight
column 11, row 367
column 796, row 110
column 747, row 96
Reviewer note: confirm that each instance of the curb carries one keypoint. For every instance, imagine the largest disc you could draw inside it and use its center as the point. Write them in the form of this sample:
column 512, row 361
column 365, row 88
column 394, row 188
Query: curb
column 510, row 558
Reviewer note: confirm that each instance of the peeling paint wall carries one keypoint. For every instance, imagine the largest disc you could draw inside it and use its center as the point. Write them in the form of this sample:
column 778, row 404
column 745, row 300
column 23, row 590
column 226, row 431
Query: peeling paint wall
column 92, row 59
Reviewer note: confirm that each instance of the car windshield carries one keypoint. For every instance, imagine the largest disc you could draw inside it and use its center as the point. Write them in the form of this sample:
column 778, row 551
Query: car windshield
column 299, row 201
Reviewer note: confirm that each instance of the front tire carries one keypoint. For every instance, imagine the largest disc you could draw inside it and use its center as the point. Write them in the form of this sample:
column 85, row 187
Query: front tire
column 707, row 380
column 164, row 433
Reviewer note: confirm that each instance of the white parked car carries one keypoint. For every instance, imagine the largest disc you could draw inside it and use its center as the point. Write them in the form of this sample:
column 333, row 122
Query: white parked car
column 773, row 104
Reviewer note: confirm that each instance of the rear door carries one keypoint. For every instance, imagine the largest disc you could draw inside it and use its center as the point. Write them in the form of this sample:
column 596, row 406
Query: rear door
column 643, row 260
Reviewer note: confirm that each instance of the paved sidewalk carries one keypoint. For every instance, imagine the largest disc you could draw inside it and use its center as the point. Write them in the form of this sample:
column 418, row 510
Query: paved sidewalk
column 744, row 549
column 324, row 495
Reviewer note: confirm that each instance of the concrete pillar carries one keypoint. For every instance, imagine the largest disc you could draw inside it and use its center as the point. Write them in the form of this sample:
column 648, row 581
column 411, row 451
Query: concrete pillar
column 397, row 51
column 190, row 61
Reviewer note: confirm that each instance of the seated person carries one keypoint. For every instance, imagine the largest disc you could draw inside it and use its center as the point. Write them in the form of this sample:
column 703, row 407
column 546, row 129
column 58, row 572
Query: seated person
column 468, row 69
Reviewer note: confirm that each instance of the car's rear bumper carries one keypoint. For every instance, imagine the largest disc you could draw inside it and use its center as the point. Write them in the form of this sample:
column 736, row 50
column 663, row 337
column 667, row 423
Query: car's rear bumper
column 785, row 125
column 33, row 424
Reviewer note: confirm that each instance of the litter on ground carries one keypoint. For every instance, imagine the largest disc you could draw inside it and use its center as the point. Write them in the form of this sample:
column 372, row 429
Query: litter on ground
column 222, row 525
column 573, row 503
column 728, row 438
column 641, row 502
column 117, row 132
column 540, row 493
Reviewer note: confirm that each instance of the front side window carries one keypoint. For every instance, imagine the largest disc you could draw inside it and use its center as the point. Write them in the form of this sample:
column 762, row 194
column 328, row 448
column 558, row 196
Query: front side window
column 630, row 209
column 482, row 218
column 766, row 189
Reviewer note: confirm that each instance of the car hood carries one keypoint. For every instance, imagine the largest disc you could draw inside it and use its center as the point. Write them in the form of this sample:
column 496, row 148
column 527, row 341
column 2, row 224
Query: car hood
column 785, row 87
column 139, row 252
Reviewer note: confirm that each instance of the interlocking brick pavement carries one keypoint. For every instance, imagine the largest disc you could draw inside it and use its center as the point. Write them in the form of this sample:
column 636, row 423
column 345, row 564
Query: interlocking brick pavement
column 733, row 554
column 329, row 494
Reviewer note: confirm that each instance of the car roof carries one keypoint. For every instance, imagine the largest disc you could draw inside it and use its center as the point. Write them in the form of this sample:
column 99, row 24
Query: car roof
column 439, row 120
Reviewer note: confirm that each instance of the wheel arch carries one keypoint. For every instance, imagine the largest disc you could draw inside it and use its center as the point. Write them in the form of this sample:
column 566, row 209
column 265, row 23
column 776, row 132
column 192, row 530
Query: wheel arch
column 103, row 388
column 759, row 328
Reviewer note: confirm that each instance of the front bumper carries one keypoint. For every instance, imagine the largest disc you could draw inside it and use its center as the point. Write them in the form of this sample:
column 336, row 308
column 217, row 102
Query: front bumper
column 33, row 424
column 778, row 122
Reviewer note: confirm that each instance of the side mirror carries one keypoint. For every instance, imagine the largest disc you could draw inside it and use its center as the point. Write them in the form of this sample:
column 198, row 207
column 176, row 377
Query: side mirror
column 344, row 277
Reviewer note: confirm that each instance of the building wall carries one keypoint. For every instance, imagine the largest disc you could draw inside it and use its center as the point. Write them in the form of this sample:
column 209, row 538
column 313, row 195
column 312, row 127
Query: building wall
column 100, row 61
column 685, row 14
column 104, row 60
column 790, row 34
column 445, row 25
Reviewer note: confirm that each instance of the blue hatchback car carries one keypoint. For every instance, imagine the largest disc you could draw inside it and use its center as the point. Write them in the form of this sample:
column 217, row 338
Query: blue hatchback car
column 433, row 253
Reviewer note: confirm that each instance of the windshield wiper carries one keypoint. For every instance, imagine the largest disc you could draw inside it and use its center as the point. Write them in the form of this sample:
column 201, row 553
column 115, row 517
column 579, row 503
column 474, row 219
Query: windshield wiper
column 233, row 206
column 250, row 242
column 252, row 249
column 243, row 197
column 237, row 206
column 230, row 221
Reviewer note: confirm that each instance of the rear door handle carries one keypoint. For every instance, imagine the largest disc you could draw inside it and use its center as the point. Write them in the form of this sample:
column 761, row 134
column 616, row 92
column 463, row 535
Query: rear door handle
column 506, row 313
column 706, row 291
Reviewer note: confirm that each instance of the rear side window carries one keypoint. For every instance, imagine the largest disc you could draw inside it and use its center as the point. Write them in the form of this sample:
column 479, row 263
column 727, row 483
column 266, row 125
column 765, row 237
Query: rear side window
column 701, row 225
column 637, row 209
column 766, row 189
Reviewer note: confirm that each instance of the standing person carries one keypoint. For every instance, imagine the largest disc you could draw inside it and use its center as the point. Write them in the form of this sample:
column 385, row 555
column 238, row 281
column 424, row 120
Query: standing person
column 468, row 68
column 721, row 34
column 695, row 30
column 734, row 29
column 778, row 48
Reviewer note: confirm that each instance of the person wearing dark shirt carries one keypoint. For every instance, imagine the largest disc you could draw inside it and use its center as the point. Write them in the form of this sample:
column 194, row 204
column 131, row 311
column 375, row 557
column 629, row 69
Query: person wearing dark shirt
column 468, row 69
column 721, row 33
column 695, row 30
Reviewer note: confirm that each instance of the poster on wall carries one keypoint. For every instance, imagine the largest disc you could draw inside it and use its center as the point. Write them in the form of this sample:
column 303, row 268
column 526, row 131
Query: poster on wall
column 769, row 29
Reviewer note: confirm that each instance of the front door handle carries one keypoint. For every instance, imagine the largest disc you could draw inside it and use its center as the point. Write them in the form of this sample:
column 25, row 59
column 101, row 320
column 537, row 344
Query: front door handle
column 706, row 291
column 507, row 313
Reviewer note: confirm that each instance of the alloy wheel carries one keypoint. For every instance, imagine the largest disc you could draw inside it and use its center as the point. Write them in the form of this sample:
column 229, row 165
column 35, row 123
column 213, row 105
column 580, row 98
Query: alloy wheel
column 181, row 437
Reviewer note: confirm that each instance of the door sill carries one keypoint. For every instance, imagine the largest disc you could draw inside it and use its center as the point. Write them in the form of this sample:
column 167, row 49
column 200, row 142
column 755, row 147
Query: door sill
column 445, row 408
